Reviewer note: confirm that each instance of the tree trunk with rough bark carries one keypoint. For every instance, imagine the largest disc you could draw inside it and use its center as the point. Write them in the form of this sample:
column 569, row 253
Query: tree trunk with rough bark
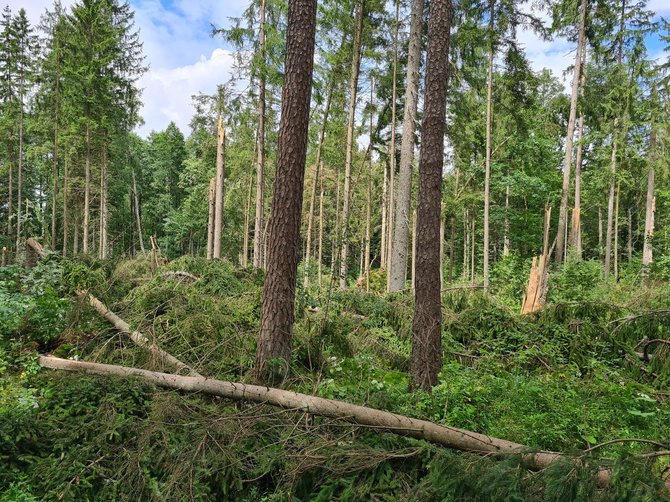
column 66, row 175
column 211, row 208
column 388, row 224
column 351, row 122
column 87, row 190
column 563, row 210
column 575, row 241
column 397, row 273
column 426, row 359
column 278, row 308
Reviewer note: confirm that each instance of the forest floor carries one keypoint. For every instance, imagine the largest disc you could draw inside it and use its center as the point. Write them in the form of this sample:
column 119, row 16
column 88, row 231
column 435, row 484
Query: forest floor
column 566, row 379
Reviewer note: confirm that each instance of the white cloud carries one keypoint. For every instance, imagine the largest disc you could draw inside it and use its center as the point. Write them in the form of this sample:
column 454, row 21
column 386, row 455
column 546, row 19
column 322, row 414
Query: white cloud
column 34, row 8
column 167, row 92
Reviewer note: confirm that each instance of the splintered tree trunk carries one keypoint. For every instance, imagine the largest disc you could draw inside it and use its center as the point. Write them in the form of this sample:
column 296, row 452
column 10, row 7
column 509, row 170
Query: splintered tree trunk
column 317, row 176
column 260, row 147
column 563, row 211
column 397, row 274
column 426, row 359
column 576, row 228
column 278, row 308
column 218, row 190
column 211, row 208
column 351, row 122
column 489, row 117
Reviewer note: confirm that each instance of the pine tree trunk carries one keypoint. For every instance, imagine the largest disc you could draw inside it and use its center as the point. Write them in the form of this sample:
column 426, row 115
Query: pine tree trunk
column 244, row 259
column 87, row 190
column 333, row 239
column 10, row 196
column 388, row 224
column 320, row 258
column 66, row 175
column 138, row 217
column 610, row 202
column 211, row 209
column 54, row 188
column 102, row 251
column 218, row 189
column 19, row 184
column 426, row 359
column 616, row 232
column 647, row 250
column 489, row 118
column 563, row 211
column 397, row 274
column 260, row 147
column 385, row 206
column 413, row 250
column 278, row 308
column 351, row 122
column 576, row 229
column 317, row 176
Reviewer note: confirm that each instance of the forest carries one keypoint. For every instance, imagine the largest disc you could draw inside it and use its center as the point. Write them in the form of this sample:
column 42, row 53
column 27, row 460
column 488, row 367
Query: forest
column 391, row 259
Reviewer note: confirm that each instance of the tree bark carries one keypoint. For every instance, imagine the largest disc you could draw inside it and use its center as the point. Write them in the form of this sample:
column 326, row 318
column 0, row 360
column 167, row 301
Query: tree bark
column 610, row 202
column 102, row 251
column 244, row 259
column 87, row 189
column 489, row 119
column 138, row 217
column 387, row 245
column 66, row 175
column 351, row 122
column 426, row 359
column 563, row 211
column 616, row 232
column 397, row 274
column 320, row 257
column 278, row 308
column 576, row 228
column 647, row 250
column 260, row 148
column 218, row 190
column 211, row 208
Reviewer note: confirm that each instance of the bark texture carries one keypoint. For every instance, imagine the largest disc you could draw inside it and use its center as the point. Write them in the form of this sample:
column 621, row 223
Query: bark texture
column 278, row 307
column 489, row 119
column 218, row 189
column 260, row 148
column 426, row 358
column 401, row 221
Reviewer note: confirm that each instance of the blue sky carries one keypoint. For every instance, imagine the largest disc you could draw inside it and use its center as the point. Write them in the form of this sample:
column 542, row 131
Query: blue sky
column 184, row 59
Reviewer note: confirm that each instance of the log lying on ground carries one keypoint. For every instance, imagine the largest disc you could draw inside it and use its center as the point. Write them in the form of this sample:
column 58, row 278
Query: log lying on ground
column 137, row 337
column 180, row 276
column 122, row 325
column 398, row 424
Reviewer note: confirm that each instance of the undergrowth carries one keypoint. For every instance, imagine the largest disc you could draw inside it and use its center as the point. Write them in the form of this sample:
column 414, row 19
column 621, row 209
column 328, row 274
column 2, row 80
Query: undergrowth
column 566, row 379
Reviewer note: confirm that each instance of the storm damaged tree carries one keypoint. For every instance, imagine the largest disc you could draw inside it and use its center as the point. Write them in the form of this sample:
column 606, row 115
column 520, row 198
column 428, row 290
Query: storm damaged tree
column 278, row 310
column 426, row 358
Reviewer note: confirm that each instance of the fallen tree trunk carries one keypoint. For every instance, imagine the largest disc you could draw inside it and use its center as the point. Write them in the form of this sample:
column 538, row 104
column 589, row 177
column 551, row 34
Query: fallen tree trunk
column 398, row 424
column 121, row 325
column 137, row 337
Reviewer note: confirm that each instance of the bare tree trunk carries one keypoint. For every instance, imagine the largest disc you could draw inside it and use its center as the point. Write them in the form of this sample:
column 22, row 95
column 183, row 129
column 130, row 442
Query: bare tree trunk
column 647, row 250
column 489, row 118
column 317, row 176
column 413, row 250
column 333, row 239
column 426, row 359
column 397, row 274
column 616, row 232
column 66, row 175
column 211, row 209
column 260, row 147
column 102, row 251
column 351, row 122
column 244, row 261
column 137, row 212
column 600, row 232
column 473, row 274
column 385, row 206
column 563, row 211
column 87, row 189
column 220, row 174
column 610, row 202
column 576, row 229
column 506, row 223
column 320, row 259
column 388, row 224
column 630, row 235
column 441, row 248
column 19, row 180
column 54, row 186
column 278, row 308
column 466, row 245
column 75, row 237
column 368, row 221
